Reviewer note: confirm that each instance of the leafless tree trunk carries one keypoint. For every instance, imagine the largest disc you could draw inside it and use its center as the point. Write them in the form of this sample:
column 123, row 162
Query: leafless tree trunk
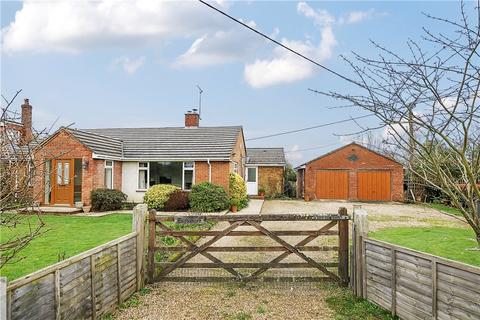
column 429, row 103
column 17, row 172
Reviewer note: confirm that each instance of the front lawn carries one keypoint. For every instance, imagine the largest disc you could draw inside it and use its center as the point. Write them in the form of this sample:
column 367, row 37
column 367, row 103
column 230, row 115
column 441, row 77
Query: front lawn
column 64, row 237
column 445, row 208
column 450, row 243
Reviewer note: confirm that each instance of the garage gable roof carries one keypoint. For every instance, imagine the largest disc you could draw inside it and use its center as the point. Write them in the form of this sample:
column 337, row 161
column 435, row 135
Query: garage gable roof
column 346, row 146
column 266, row 156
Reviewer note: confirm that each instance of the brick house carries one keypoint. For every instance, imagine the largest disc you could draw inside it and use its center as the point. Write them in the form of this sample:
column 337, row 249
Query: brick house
column 352, row 172
column 76, row 161
column 265, row 170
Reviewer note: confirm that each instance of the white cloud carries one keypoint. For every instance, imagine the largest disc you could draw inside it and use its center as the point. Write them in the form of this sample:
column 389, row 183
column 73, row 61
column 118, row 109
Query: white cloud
column 130, row 66
column 220, row 47
column 321, row 17
column 75, row 26
column 286, row 67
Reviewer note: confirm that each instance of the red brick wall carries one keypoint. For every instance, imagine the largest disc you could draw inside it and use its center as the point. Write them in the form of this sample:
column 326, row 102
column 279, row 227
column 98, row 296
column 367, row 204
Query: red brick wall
column 117, row 175
column 365, row 160
column 220, row 172
column 64, row 146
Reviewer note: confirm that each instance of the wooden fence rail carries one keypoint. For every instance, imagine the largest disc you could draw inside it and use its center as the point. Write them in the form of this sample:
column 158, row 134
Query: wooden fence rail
column 85, row 286
column 415, row 285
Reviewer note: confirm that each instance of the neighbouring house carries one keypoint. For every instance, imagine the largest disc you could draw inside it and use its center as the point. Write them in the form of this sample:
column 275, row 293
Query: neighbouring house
column 17, row 141
column 265, row 170
column 352, row 172
column 76, row 161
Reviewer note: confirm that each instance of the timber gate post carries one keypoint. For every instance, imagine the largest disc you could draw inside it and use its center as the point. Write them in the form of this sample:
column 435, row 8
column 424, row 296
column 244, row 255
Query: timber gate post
column 343, row 247
column 138, row 226
column 151, row 245
column 360, row 226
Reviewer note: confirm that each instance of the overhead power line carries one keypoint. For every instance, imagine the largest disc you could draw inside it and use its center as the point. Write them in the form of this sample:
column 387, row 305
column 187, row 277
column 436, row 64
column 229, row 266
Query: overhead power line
column 314, row 148
column 309, row 128
column 281, row 44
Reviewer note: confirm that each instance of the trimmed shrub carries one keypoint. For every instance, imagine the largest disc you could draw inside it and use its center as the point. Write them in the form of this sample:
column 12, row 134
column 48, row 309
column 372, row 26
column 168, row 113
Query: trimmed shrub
column 238, row 191
column 178, row 201
column 208, row 197
column 107, row 199
column 157, row 195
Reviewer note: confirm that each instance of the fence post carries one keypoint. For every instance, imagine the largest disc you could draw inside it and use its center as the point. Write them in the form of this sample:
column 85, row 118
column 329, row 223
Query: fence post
column 343, row 247
column 360, row 221
column 151, row 245
column 3, row 298
column 138, row 225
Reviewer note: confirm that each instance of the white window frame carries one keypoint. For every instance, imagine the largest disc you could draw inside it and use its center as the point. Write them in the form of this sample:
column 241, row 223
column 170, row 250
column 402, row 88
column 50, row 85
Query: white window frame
column 147, row 168
column 183, row 174
column 105, row 170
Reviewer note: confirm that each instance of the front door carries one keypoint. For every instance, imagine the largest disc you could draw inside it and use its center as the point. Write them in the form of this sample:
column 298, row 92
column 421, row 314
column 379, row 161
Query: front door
column 62, row 178
column 252, row 181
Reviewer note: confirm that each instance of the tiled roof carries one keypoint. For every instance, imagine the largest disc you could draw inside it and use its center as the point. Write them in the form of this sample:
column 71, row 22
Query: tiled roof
column 161, row 143
column 266, row 156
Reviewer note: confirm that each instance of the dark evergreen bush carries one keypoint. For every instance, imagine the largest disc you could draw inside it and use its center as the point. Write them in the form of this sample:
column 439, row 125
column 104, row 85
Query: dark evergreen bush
column 208, row 197
column 178, row 201
column 107, row 199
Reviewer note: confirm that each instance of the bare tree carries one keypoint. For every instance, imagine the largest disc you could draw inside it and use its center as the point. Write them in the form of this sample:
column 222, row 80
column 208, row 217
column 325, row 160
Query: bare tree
column 17, row 172
column 429, row 103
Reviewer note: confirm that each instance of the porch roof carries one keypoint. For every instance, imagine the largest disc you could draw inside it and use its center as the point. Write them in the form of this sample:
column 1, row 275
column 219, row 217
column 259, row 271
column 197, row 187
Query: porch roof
column 266, row 156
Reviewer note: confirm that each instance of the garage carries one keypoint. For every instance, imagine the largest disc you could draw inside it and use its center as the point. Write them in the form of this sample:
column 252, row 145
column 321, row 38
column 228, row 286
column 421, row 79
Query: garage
column 352, row 172
column 374, row 185
column 332, row 184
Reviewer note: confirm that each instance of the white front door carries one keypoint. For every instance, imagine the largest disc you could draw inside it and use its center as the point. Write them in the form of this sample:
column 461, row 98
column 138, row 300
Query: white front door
column 252, row 181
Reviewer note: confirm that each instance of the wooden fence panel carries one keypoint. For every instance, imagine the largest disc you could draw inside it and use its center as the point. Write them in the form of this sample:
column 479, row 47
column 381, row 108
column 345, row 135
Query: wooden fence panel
column 416, row 285
column 85, row 286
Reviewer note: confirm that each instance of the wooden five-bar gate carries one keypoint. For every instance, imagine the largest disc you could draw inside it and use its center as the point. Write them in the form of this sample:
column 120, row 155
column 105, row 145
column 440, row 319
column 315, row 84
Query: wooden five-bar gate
column 180, row 256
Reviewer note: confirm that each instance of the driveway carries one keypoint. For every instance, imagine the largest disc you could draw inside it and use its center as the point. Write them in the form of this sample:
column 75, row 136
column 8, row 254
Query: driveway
column 380, row 215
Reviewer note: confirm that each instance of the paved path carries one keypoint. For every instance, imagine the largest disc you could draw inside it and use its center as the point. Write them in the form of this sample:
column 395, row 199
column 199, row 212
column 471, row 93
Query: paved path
column 254, row 207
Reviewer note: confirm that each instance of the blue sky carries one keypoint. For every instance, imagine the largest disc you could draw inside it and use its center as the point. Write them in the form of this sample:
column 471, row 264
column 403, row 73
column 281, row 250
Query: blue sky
column 137, row 63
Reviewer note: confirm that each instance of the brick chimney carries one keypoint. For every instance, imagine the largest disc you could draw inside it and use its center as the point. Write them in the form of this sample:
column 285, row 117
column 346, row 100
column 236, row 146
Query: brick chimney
column 192, row 119
column 27, row 135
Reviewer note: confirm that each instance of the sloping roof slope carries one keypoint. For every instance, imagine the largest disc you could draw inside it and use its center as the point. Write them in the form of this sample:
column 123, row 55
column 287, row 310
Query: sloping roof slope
column 266, row 156
column 161, row 143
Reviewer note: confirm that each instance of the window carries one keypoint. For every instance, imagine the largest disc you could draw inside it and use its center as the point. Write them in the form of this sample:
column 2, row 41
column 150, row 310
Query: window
column 142, row 175
column 235, row 167
column 77, row 180
column 59, row 173
column 165, row 172
column 188, row 175
column 180, row 174
column 108, row 174
column 66, row 173
column 251, row 174
column 48, row 187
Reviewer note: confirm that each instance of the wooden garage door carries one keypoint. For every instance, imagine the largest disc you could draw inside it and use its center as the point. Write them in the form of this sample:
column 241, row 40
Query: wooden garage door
column 374, row 185
column 332, row 184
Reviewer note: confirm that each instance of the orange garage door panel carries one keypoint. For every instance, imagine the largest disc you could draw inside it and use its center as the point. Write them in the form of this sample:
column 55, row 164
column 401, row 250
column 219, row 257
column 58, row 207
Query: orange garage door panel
column 332, row 184
column 374, row 185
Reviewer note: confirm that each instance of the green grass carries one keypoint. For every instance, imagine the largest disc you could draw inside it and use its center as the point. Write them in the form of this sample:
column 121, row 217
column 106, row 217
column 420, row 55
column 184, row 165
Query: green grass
column 349, row 307
column 63, row 237
column 450, row 243
column 445, row 208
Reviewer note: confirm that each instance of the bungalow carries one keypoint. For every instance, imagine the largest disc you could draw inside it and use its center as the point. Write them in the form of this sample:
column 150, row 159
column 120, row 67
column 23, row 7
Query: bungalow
column 265, row 170
column 75, row 161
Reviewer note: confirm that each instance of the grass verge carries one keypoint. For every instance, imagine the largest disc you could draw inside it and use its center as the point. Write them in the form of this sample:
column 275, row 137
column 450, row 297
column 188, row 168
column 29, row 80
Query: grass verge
column 451, row 243
column 349, row 307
